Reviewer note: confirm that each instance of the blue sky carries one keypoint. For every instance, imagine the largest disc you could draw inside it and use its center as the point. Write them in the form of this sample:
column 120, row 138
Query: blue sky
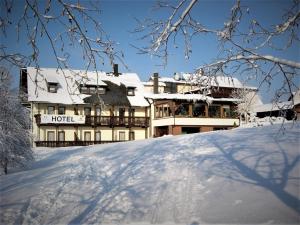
column 117, row 18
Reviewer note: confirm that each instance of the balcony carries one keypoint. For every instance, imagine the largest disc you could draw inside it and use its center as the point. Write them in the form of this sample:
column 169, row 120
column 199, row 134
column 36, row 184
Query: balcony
column 69, row 143
column 108, row 121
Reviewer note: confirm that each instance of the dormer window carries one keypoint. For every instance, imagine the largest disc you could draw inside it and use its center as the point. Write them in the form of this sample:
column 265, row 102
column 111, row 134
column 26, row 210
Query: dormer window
column 84, row 90
column 52, row 84
column 52, row 87
column 130, row 91
column 91, row 89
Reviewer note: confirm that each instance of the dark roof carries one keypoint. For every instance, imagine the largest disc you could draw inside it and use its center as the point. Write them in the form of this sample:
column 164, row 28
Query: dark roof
column 114, row 95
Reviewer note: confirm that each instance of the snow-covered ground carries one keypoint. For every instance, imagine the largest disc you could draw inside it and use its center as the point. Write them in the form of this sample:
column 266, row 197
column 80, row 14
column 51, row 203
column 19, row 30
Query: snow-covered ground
column 245, row 175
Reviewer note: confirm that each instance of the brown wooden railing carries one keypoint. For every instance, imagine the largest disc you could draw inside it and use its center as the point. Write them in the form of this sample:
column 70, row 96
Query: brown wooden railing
column 69, row 143
column 111, row 121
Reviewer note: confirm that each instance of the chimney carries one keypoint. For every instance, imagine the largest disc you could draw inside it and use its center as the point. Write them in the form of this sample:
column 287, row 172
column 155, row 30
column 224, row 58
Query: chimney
column 155, row 83
column 116, row 70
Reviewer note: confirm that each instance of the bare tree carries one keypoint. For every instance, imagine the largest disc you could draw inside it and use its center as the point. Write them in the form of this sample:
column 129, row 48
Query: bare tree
column 248, row 99
column 76, row 26
column 241, row 50
column 15, row 141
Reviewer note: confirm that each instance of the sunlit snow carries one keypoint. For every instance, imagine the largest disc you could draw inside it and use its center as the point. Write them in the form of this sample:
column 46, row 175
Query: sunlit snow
column 245, row 175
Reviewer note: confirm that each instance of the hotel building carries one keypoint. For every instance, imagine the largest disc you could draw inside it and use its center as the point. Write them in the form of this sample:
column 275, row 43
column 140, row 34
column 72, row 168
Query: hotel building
column 72, row 107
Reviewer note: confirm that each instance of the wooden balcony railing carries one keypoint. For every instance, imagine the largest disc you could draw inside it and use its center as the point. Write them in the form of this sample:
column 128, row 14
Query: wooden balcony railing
column 111, row 121
column 69, row 143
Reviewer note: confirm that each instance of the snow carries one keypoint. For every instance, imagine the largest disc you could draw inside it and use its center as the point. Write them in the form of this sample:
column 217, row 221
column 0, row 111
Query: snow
column 150, row 83
column 240, row 176
column 273, row 106
column 68, row 80
column 190, row 97
column 217, row 81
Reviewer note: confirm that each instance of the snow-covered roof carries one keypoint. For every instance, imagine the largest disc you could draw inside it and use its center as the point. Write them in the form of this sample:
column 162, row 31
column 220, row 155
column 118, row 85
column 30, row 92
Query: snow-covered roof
column 129, row 84
column 189, row 97
column 52, row 79
column 68, row 81
column 273, row 107
column 216, row 81
column 150, row 83
column 296, row 97
column 171, row 80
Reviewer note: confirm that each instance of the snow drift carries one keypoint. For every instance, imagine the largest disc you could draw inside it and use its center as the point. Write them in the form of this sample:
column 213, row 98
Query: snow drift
column 248, row 175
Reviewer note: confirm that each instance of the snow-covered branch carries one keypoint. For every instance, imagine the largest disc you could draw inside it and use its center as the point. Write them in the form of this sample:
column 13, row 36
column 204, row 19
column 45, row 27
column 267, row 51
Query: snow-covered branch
column 254, row 57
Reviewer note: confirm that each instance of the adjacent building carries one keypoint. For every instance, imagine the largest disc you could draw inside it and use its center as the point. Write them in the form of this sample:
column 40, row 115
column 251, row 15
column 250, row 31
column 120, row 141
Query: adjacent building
column 182, row 106
column 290, row 109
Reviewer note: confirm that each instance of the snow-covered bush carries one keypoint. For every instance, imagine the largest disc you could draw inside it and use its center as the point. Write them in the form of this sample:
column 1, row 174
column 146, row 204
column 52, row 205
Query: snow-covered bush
column 15, row 145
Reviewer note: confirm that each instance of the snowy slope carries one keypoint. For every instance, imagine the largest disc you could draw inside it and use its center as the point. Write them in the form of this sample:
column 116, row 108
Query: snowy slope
column 249, row 175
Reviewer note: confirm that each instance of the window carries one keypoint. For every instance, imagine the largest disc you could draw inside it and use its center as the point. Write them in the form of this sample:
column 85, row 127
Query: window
column 220, row 128
column 166, row 111
column 97, row 136
column 214, row 111
column 61, row 110
column 76, row 138
column 199, row 110
column 51, row 109
column 52, row 87
column 101, row 90
column 75, row 111
column 92, row 90
column 61, row 136
column 130, row 91
column 87, row 111
column 98, row 111
column 226, row 111
column 84, row 90
column 87, row 136
column 50, row 136
column 131, row 112
column 182, row 110
column 156, row 112
column 121, row 136
column 131, row 136
column 160, row 111
column 121, row 112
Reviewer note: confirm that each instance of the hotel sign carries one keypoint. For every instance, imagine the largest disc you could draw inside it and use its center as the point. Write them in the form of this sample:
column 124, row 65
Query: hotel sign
column 62, row 119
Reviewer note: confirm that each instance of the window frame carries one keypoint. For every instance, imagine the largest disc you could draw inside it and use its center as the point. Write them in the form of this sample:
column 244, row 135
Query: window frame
column 97, row 132
column 90, row 111
column 53, row 111
column 64, row 110
column 84, row 89
column 48, row 135
column 52, row 85
column 58, row 135
column 101, row 90
column 131, row 136
column 122, row 133
column 218, row 115
column 85, row 135
column 98, row 109
column 130, row 91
